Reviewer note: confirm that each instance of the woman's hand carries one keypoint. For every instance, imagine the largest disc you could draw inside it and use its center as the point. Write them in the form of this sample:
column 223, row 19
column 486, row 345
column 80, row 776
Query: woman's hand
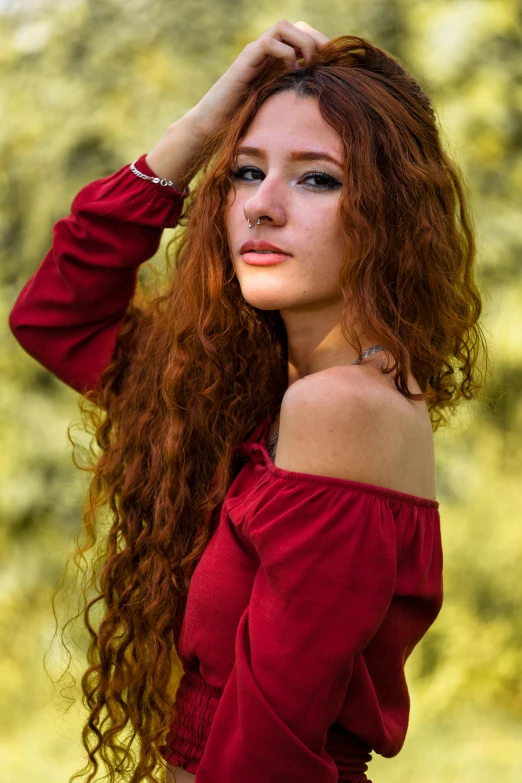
column 173, row 156
column 283, row 41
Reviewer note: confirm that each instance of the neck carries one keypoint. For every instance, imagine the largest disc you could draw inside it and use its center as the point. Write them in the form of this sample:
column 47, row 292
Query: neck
column 315, row 338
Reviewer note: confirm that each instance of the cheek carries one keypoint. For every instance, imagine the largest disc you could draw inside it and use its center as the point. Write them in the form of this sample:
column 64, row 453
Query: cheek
column 321, row 233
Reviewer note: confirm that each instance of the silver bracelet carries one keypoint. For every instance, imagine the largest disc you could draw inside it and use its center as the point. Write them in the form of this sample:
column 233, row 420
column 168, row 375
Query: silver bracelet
column 157, row 180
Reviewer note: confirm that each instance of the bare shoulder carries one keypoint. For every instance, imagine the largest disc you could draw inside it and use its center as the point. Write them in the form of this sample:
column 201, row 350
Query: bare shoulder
column 350, row 424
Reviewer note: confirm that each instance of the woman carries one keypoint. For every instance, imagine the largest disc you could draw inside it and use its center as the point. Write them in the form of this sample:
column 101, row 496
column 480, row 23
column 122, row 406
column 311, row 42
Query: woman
column 327, row 241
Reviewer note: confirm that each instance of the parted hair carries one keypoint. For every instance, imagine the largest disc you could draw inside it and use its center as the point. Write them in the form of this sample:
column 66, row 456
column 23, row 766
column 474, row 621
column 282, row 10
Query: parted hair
column 196, row 367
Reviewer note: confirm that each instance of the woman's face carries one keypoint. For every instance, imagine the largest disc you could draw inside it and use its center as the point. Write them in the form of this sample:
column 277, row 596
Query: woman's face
column 297, row 201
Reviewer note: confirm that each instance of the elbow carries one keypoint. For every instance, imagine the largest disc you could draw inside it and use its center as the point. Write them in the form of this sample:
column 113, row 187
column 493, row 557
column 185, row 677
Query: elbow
column 16, row 321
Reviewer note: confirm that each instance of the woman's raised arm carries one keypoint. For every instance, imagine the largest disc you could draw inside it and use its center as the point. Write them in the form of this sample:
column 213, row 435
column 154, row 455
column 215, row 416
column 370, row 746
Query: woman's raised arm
column 68, row 314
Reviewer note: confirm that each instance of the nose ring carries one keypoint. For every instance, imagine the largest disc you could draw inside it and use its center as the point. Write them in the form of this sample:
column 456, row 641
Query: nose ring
column 251, row 225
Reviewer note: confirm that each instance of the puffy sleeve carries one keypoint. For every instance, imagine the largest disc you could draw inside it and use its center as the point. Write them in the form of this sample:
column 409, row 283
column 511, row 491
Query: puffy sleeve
column 326, row 578
column 68, row 314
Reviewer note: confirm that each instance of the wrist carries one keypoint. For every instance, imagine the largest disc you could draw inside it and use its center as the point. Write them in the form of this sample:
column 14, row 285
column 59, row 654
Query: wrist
column 193, row 125
column 174, row 156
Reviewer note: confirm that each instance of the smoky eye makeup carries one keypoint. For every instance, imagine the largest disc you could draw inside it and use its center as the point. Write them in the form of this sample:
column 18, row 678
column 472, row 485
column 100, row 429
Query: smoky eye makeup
column 323, row 180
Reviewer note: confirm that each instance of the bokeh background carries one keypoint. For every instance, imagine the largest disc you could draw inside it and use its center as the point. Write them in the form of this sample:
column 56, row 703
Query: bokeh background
column 89, row 85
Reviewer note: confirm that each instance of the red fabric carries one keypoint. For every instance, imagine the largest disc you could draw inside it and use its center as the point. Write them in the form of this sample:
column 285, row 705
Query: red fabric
column 312, row 591
column 301, row 613
column 68, row 314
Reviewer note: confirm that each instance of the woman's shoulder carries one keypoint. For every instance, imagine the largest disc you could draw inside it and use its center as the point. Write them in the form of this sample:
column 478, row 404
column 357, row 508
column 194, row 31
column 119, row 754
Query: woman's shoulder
column 349, row 424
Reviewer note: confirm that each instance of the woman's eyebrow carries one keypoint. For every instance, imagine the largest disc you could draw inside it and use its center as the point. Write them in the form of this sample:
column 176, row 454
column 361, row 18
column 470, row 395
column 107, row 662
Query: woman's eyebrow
column 294, row 154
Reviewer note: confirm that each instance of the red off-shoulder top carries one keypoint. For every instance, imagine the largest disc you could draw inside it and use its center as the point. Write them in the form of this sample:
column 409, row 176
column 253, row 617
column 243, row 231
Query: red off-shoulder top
column 312, row 591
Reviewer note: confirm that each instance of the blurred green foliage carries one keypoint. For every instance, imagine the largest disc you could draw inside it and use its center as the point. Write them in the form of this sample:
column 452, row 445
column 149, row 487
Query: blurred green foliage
column 87, row 87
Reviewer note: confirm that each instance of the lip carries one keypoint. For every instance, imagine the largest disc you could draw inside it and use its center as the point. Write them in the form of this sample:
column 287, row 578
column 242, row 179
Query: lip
column 264, row 259
column 260, row 244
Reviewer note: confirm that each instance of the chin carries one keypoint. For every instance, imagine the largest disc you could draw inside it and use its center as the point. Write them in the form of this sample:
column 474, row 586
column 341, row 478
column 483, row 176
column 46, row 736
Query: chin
column 262, row 303
column 262, row 300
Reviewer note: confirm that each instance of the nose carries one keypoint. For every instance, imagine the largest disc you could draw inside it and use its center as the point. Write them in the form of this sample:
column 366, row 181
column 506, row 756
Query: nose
column 268, row 203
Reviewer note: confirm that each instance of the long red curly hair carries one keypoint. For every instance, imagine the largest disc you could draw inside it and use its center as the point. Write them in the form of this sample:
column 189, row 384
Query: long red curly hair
column 196, row 367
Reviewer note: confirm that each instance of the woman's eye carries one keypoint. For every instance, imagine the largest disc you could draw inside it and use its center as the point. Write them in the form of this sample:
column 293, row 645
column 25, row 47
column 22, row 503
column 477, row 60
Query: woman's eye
column 325, row 181
column 238, row 174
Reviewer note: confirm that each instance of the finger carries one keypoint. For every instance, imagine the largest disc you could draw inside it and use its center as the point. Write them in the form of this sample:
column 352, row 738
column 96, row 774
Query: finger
column 318, row 37
column 274, row 48
column 287, row 32
column 257, row 54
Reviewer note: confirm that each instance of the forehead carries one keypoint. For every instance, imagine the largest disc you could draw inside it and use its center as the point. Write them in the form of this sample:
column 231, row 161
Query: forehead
column 286, row 121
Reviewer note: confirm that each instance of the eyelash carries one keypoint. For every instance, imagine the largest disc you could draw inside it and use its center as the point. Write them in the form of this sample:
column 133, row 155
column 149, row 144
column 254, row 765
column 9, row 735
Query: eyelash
column 330, row 184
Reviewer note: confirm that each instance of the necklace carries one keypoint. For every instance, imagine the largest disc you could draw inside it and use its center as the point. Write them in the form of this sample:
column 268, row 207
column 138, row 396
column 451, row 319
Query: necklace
column 271, row 444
